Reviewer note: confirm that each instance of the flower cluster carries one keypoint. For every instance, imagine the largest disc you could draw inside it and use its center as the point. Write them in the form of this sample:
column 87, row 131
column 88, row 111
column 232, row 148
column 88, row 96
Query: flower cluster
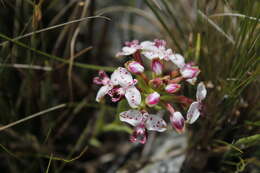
column 155, row 88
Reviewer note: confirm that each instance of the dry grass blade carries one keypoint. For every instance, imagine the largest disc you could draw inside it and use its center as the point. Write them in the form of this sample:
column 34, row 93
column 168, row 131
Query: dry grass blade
column 72, row 49
column 235, row 15
column 49, row 164
column 56, row 26
column 137, row 11
column 229, row 37
column 87, row 66
column 26, row 66
column 32, row 116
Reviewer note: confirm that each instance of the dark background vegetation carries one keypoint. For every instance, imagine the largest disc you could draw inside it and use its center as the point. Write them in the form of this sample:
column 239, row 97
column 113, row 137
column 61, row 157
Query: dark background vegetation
column 51, row 69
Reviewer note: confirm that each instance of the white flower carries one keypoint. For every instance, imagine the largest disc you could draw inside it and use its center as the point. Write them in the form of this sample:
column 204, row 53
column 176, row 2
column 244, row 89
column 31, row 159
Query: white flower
column 142, row 121
column 123, row 78
column 129, row 48
column 120, row 84
column 194, row 110
column 156, row 49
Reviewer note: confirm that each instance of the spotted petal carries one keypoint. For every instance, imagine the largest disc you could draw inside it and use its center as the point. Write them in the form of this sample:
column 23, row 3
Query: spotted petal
column 133, row 117
column 193, row 112
column 102, row 92
column 201, row 92
column 133, row 96
column 122, row 77
column 155, row 123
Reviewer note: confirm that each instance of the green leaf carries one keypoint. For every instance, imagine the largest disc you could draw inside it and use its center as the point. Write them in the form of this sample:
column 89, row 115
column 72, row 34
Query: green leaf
column 248, row 141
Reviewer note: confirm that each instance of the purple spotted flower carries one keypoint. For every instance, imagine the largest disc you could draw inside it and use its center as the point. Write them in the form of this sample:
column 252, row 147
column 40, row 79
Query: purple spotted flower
column 168, row 73
column 142, row 121
column 120, row 84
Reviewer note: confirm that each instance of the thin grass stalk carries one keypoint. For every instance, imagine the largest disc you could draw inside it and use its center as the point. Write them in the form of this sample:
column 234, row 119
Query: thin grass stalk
column 164, row 26
column 86, row 66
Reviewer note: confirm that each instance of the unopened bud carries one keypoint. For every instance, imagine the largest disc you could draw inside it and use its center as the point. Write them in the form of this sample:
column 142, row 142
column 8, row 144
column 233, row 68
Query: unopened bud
column 152, row 99
column 172, row 88
column 135, row 67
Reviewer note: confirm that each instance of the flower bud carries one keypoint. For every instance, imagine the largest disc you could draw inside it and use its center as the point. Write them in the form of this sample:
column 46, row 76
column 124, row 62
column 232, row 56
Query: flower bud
column 152, row 99
column 176, row 118
column 189, row 71
column 172, row 88
column 177, row 122
column 135, row 67
column 159, row 43
column 156, row 83
column 157, row 66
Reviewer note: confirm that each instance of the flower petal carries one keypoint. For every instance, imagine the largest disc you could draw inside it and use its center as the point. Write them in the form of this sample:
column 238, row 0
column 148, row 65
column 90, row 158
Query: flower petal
column 193, row 112
column 178, row 60
column 102, row 92
column 139, row 134
column 147, row 45
column 133, row 96
column 201, row 92
column 150, row 54
column 122, row 77
column 177, row 121
column 128, row 50
column 155, row 123
column 133, row 117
